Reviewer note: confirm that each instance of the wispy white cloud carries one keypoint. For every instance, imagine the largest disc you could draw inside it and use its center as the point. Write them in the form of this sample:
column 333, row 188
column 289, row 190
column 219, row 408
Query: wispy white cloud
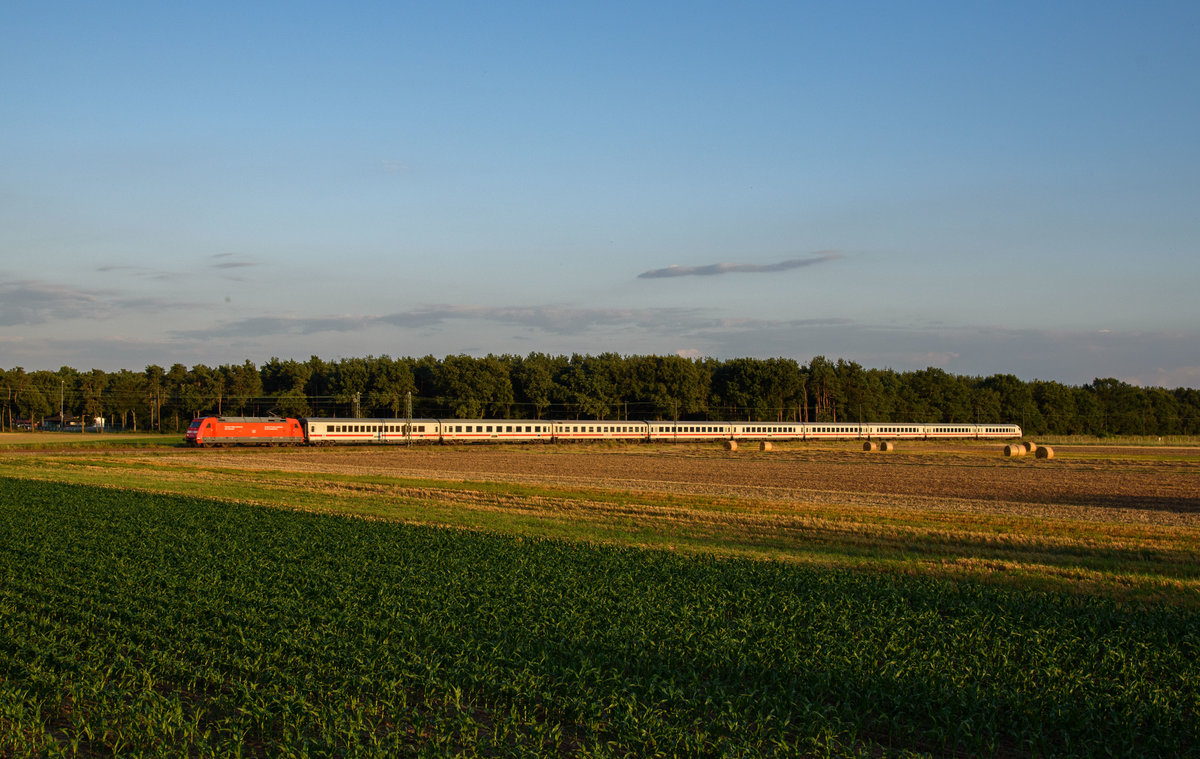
column 228, row 261
column 725, row 268
column 33, row 302
column 550, row 319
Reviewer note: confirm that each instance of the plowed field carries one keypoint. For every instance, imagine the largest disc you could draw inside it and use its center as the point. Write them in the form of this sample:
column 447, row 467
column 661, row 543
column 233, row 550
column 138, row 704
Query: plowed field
column 1152, row 485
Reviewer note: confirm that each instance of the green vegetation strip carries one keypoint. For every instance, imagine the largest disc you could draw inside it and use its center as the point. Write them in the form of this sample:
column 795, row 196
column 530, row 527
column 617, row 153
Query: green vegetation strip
column 143, row 624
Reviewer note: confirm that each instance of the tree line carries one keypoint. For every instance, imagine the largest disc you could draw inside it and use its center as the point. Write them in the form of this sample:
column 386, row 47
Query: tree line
column 605, row 386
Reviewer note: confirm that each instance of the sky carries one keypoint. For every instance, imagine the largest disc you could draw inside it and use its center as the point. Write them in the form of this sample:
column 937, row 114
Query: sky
column 984, row 187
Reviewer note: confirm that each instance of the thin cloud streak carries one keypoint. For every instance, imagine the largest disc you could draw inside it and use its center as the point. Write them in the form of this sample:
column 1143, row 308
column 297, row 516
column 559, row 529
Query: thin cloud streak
column 550, row 319
column 31, row 302
column 725, row 268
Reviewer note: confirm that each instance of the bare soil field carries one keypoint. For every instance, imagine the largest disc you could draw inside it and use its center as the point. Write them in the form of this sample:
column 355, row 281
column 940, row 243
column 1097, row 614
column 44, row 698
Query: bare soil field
column 1155, row 485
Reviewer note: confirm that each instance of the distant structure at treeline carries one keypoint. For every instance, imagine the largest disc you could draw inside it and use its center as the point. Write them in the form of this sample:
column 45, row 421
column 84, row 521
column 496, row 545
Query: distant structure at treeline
column 607, row 386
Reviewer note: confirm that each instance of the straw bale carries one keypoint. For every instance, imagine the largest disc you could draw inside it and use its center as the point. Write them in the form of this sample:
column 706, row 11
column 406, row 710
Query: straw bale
column 1030, row 446
column 887, row 445
column 870, row 445
column 1016, row 449
column 1045, row 452
column 765, row 445
column 731, row 445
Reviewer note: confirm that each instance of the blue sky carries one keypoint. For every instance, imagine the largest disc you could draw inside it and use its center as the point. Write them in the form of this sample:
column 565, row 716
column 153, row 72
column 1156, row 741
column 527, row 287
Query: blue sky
column 982, row 187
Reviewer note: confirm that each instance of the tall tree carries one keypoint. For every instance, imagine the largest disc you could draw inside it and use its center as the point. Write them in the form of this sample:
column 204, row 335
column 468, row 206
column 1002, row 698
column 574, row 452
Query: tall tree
column 244, row 385
column 824, row 389
column 391, row 380
column 92, row 386
column 155, row 377
column 127, row 396
column 533, row 382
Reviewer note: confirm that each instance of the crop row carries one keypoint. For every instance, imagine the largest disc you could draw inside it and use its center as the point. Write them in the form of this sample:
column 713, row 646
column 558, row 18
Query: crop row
column 141, row 624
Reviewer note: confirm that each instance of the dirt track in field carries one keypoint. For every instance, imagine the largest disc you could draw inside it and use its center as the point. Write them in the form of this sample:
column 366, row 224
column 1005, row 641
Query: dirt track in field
column 1147, row 483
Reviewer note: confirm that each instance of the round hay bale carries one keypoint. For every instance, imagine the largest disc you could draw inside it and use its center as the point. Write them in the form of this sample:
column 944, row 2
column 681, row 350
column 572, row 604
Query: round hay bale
column 1030, row 446
column 765, row 445
column 887, row 445
column 731, row 445
column 1045, row 452
column 870, row 445
column 1016, row 449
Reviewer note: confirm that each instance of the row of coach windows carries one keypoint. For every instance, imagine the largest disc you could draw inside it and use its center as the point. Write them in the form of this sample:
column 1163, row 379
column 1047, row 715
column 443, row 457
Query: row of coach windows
column 416, row 428
column 769, row 429
column 496, row 428
column 899, row 429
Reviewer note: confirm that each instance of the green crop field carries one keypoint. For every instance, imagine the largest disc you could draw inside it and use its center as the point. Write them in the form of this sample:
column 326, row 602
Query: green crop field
column 136, row 623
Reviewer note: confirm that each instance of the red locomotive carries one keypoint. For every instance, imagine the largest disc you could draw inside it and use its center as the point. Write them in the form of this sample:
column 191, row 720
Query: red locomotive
column 238, row 430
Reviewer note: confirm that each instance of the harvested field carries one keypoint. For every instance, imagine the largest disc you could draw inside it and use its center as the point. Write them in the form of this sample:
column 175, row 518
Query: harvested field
column 1155, row 485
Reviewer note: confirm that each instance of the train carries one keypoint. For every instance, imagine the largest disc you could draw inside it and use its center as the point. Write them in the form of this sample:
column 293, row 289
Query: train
column 217, row 430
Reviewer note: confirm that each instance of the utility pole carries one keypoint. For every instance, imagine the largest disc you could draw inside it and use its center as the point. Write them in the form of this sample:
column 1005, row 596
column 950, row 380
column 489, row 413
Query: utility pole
column 408, row 417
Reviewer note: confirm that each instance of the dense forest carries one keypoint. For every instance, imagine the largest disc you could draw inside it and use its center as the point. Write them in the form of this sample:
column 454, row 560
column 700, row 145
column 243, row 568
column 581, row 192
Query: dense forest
column 608, row 386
